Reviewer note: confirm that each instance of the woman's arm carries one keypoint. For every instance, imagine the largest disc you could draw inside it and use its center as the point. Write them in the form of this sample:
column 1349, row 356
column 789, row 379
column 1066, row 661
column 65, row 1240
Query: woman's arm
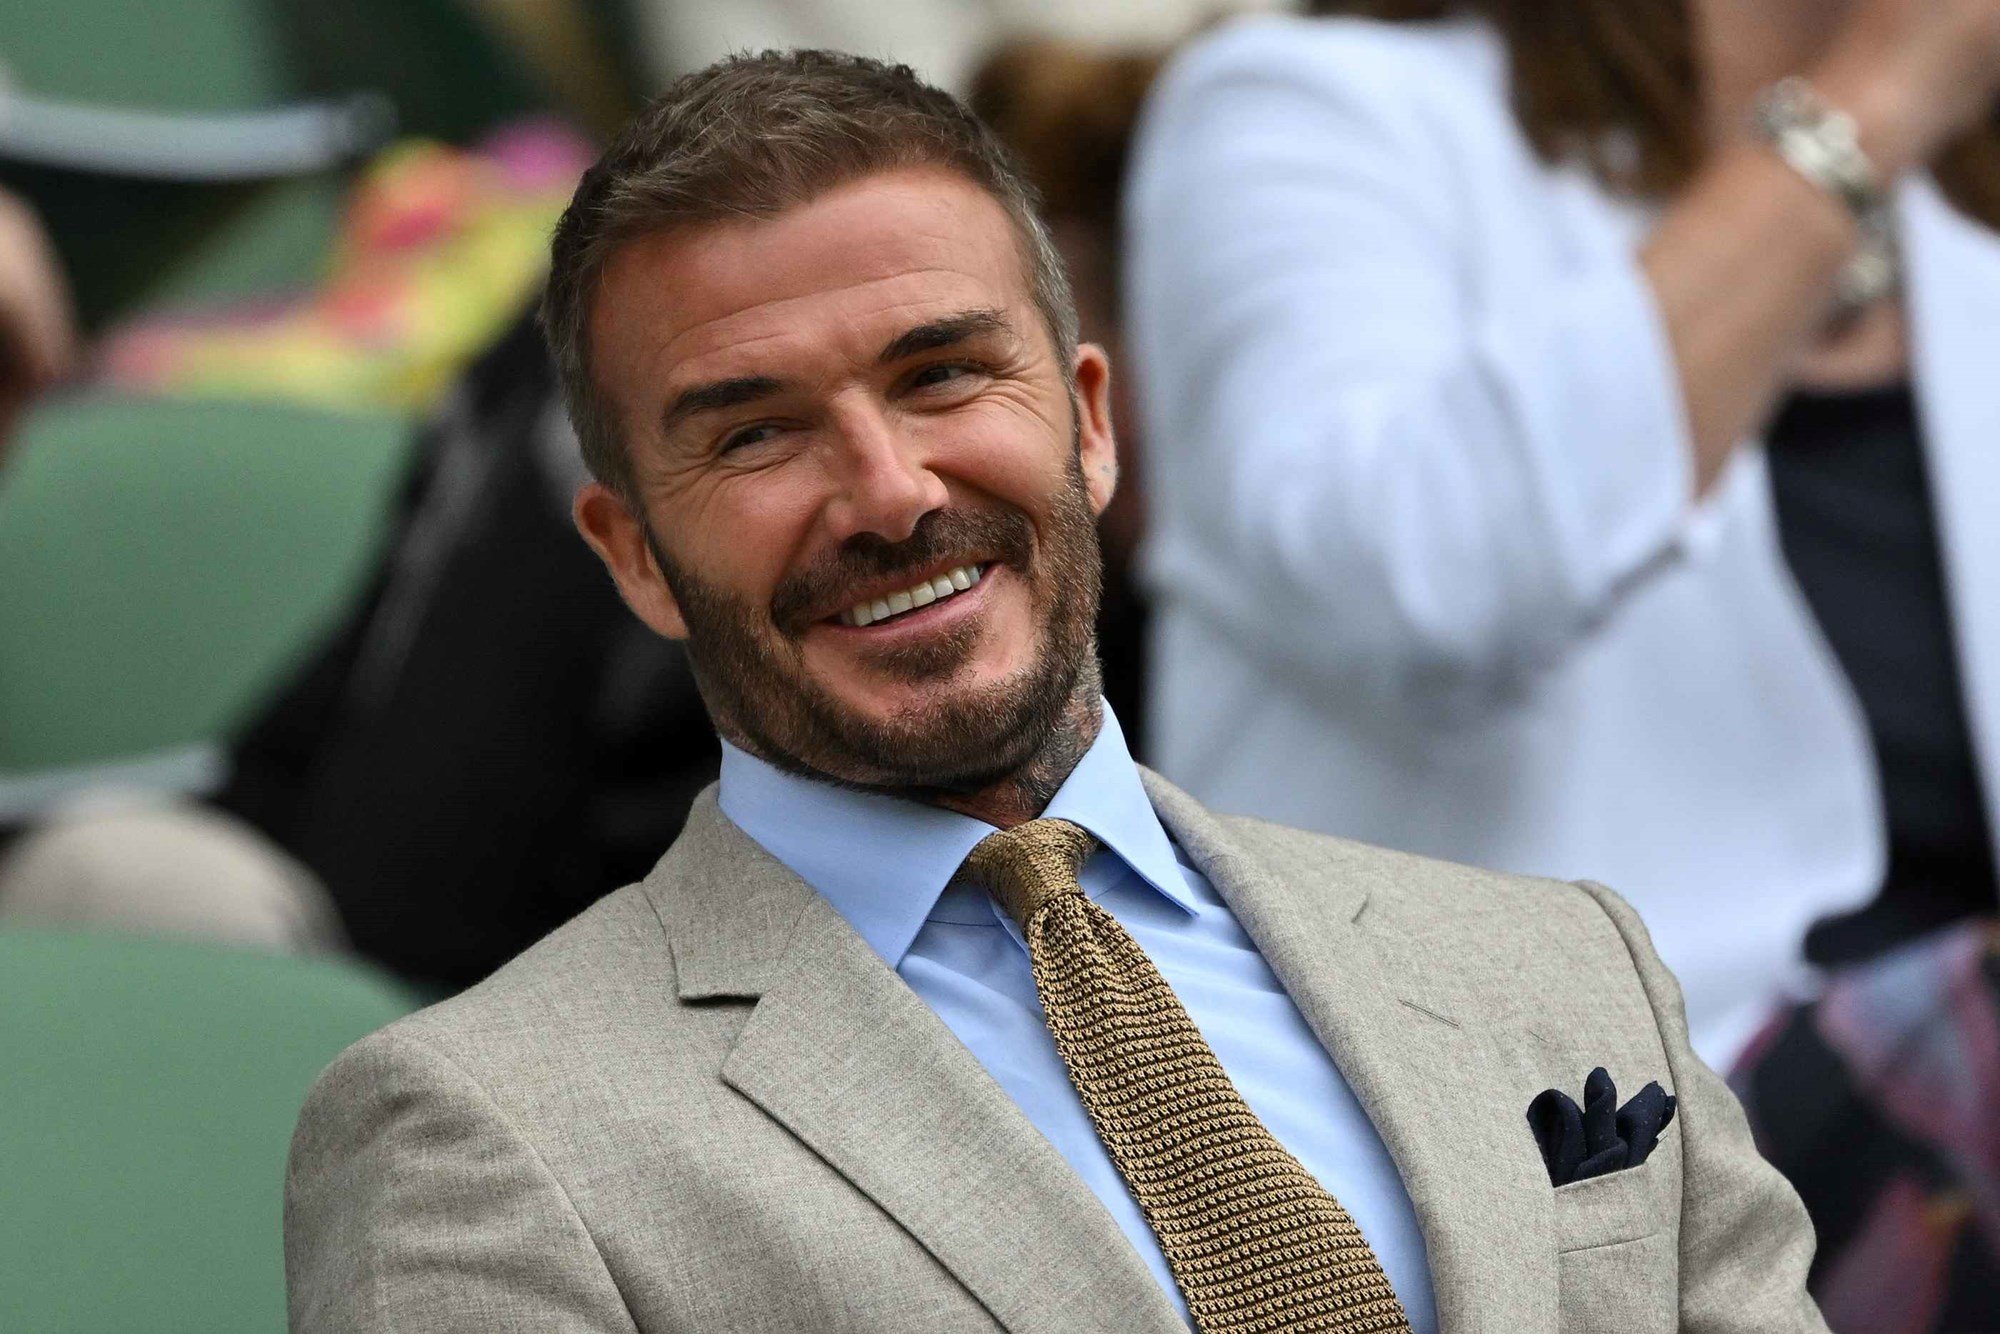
column 1744, row 263
column 1385, row 454
column 1383, row 457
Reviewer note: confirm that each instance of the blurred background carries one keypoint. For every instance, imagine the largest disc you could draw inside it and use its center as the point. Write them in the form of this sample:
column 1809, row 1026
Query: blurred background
column 313, row 708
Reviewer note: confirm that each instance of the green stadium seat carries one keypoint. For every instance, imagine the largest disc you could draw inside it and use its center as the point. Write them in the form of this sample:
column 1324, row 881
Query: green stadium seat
column 150, row 1088
column 437, row 63
column 167, row 560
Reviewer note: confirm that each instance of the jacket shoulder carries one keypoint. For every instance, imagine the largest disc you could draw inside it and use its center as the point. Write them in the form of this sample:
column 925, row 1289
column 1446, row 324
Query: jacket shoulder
column 592, row 1019
column 1488, row 913
column 584, row 1030
column 1567, row 968
column 600, row 965
column 1406, row 873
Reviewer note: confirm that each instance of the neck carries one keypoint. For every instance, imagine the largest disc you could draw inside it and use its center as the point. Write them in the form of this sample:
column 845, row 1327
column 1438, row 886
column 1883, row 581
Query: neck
column 1747, row 45
column 1026, row 793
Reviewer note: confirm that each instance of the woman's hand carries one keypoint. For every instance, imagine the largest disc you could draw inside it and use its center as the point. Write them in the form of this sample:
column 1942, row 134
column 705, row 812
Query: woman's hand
column 1745, row 262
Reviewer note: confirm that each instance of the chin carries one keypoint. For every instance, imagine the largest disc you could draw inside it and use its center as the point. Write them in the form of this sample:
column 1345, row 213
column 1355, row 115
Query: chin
column 913, row 717
column 908, row 691
column 958, row 735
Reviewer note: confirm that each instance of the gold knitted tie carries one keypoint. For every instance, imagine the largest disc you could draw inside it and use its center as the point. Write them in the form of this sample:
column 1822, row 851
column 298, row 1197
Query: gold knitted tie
column 1254, row 1242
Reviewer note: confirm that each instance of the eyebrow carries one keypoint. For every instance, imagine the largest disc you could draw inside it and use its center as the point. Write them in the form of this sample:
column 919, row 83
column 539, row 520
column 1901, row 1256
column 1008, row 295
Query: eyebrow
column 927, row 337
column 944, row 333
column 717, row 395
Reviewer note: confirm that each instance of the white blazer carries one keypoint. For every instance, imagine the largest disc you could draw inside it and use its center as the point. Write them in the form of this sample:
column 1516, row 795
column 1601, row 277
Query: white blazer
column 1426, row 569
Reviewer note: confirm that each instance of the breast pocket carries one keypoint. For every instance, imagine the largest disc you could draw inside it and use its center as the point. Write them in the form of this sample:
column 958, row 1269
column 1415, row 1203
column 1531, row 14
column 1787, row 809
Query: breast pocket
column 1619, row 1256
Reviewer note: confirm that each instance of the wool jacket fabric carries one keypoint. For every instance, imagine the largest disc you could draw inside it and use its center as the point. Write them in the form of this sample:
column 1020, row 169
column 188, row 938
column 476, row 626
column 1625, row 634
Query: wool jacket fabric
column 706, row 1105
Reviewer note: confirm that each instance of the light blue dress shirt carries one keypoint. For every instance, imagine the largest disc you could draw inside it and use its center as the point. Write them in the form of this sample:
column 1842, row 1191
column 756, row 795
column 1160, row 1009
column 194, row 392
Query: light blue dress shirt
column 886, row 865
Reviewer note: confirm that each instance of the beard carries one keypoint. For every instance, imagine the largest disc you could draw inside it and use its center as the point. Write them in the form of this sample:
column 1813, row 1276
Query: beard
column 749, row 663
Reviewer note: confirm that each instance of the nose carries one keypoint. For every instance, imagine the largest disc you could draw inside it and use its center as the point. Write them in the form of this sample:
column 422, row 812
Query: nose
column 883, row 483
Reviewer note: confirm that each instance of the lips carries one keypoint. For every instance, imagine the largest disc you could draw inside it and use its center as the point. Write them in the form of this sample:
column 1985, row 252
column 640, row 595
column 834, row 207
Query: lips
column 836, row 588
column 923, row 593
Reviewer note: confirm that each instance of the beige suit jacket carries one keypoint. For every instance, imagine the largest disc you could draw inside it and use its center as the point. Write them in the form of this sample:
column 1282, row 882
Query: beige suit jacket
column 706, row 1105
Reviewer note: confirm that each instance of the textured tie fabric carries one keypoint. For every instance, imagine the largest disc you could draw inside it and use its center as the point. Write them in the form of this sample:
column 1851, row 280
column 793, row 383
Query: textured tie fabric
column 1254, row 1242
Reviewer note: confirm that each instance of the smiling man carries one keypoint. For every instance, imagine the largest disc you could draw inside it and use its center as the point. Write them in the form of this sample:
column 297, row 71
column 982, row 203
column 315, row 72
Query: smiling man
column 869, row 504
column 942, row 1014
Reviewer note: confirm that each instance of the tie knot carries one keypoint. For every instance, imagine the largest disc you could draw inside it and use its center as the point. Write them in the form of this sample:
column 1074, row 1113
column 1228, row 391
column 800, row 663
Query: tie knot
column 1026, row 866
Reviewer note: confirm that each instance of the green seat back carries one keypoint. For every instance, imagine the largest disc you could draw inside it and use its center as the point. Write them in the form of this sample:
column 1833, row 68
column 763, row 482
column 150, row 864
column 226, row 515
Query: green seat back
column 204, row 243
column 159, row 55
column 198, row 242
column 167, row 560
column 150, row 1088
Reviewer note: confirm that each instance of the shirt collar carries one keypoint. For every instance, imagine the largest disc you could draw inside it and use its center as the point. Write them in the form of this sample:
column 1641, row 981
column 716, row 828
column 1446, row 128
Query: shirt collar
column 883, row 861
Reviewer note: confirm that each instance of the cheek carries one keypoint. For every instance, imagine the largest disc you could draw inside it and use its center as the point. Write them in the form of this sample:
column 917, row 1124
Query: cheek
column 1004, row 453
column 749, row 531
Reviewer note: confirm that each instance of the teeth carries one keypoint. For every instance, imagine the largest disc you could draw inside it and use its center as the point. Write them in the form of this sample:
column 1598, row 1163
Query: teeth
column 948, row 584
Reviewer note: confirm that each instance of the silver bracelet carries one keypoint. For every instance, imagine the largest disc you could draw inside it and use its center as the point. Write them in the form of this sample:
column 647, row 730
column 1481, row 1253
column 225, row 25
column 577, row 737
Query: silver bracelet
column 1822, row 144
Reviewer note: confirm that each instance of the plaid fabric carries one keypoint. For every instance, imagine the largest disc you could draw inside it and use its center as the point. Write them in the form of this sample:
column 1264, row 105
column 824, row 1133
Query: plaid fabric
column 1881, row 1102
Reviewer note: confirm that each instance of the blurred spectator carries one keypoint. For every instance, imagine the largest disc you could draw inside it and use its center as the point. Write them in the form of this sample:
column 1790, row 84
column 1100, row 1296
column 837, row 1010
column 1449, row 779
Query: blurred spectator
column 437, row 251
column 125, row 862
column 1877, row 1100
column 490, row 741
column 1543, row 464
column 1067, row 110
column 37, row 326
column 442, row 248
column 136, row 864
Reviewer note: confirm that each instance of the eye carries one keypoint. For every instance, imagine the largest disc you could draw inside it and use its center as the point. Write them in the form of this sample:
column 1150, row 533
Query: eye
column 748, row 435
column 942, row 373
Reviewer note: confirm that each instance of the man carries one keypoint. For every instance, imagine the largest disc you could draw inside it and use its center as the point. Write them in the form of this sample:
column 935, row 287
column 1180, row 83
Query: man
column 851, row 1060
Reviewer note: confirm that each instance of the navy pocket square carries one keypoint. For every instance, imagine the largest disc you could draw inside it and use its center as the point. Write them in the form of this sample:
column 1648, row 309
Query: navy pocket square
column 1600, row 1137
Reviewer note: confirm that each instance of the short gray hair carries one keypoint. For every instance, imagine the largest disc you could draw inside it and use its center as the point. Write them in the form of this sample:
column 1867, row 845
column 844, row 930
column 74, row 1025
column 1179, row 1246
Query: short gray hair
column 752, row 136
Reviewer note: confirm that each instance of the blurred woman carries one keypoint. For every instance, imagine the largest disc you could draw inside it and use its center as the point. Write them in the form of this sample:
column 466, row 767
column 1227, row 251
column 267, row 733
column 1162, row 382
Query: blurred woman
column 1576, row 428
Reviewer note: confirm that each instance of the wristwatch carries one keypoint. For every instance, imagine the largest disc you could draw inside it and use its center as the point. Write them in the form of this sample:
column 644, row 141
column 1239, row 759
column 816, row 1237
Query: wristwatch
column 1821, row 143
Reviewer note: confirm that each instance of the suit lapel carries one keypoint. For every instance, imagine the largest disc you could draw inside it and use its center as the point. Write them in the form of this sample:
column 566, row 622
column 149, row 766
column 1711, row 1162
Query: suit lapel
column 843, row 1054
column 1438, row 1087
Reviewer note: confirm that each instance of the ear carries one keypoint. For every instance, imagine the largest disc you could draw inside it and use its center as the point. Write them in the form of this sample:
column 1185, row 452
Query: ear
column 619, row 539
column 1098, row 442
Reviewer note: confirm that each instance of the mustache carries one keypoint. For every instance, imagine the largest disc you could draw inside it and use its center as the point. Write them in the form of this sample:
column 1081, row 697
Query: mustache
column 959, row 535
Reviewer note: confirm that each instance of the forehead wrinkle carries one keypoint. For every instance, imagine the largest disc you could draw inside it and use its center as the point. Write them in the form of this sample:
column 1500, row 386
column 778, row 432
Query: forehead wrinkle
column 767, row 264
column 857, row 336
column 920, row 226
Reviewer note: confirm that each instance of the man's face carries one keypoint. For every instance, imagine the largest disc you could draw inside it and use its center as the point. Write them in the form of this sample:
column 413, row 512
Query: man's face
column 850, row 409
